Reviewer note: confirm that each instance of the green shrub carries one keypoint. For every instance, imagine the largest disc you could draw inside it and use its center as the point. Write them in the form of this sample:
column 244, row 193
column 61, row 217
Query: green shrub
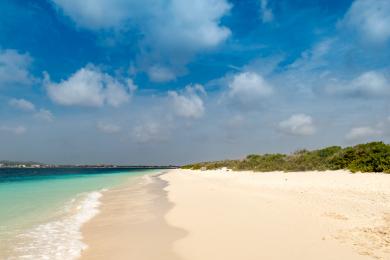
column 370, row 157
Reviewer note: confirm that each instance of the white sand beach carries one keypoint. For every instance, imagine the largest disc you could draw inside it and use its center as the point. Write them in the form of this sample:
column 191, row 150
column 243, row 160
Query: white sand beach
column 304, row 215
column 222, row 215
column 131, row 224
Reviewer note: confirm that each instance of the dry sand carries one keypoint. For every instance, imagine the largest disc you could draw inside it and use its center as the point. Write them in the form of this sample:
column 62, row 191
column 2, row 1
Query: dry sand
column 220, row 215
column 305, row 216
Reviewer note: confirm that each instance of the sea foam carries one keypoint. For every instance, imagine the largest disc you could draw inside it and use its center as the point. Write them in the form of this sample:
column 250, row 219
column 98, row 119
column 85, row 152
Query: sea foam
column 60, row 239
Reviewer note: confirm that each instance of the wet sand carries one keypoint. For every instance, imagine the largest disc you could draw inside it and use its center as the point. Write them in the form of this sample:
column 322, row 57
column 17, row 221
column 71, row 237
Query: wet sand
column 225, row 215
column 131, row 223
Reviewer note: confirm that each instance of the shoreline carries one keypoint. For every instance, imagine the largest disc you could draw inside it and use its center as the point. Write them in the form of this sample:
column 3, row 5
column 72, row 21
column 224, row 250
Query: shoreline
column 42, row 213
column 219, row 214
column 131, row 223
column 59, row 237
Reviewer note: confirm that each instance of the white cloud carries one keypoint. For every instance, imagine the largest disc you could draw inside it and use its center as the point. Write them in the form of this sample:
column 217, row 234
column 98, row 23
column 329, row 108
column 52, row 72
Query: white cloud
column 313, row 68
column 170, row 31
column 108, row 128
column 44, row 114
column 18, row 130
column 89, row 87
column 25, row 105
column 22, row 104
column 96, row 14
column 263, row 65
column 298, row 124
column 363, row 132
column 314, row 57
column 191, row 22
column 84, row 88
column 371, row 83
column 266, row 13
column 247, row 88
column 116, row 93
column 369, row 18
column 160, row 74
column 14, row 67
column 188, row 104
column 131, row 86
column 195, row 23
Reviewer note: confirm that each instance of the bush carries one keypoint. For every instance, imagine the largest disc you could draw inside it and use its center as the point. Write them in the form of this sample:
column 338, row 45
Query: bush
column 370, row 157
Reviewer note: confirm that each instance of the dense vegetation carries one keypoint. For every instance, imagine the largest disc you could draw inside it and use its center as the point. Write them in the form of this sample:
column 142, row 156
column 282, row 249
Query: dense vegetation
column 370, row 157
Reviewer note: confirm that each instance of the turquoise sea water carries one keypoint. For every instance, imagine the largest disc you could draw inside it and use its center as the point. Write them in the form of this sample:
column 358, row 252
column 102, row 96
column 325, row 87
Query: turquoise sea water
column 42, row 210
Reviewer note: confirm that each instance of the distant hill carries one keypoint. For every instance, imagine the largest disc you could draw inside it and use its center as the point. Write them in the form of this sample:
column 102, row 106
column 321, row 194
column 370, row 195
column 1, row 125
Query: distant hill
column 370, row 157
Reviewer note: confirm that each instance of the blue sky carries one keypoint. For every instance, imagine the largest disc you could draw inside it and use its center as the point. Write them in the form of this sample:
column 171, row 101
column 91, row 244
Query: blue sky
column 177, row 81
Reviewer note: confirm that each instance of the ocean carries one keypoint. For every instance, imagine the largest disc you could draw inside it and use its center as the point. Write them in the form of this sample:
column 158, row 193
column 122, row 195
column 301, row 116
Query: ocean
column 42, row 210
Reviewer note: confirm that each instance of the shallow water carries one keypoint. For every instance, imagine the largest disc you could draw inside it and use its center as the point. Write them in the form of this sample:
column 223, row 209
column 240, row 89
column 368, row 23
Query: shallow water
column 42, row 210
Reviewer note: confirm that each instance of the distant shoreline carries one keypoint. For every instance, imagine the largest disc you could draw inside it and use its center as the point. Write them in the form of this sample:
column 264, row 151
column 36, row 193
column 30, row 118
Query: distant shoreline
column 89, row 167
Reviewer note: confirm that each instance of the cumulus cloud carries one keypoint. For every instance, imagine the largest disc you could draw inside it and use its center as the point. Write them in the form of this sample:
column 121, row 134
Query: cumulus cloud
column 91, row 88
column 117, row 93
column 160, row 74
column 172, row 36
column 18, row 130
column 368, row 84
column 266, row 13
column 188, row 104
column 370, row 19
column 363, row 132
column 191, row 22
column 22, row 104
column 298, row 124
column 14, row 67
column 248, row 88
column 108, row 128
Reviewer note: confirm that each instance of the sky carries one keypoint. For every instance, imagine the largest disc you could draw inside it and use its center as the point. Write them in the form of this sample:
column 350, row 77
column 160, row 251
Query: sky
column 179, row 81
